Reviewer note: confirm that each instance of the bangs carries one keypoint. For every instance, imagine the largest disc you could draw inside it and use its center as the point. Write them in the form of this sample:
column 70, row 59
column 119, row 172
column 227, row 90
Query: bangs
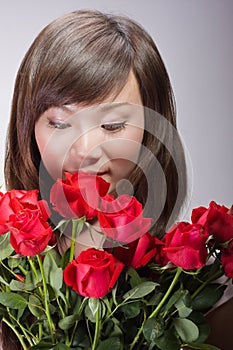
column 92, row 62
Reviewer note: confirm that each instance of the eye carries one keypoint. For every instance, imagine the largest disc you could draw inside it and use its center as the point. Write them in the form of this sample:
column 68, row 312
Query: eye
column 58, row 125
column 113, row 126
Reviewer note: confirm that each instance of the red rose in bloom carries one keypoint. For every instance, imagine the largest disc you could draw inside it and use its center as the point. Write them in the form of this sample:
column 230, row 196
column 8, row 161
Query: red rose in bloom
column 29, row 232
column 185, row 245
column 93, row 273
column 227, row 260
column 78, row 195
column 122, row 219
column 16, row 201
column 138, row 253
column 218, row 220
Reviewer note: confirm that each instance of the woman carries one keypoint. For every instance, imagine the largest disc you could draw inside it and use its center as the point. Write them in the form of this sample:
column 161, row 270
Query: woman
column 88, row 61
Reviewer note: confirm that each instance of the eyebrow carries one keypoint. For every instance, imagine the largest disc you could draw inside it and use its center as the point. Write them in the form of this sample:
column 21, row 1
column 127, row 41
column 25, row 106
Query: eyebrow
column 111, row 106
column 102, row 107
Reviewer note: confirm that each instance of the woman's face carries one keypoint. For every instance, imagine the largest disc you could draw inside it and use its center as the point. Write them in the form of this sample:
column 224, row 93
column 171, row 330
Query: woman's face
column 104, row 139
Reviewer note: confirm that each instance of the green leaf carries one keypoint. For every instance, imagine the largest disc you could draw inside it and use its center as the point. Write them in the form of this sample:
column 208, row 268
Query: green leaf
column 78, row 225
column 114, row 294
column 30, row 281
column 81, row 338
column 204, row 328
column 174, row 298
column 94, row 305
column 131, row 310
column 3, row 281
column 135, row 279
column 62, row 225
column 61, row 346
column 168, row 341
column 202, row 346
column 152, row 329
column 140, row 290
column 67, row 322
column 14, row 261
column 208, row 296
column 6, row 248
column 35, row 306
column 13, row 300
column 111, row 343
column 75, row 301
column 65, row 259
column 16, row 285
column 186, row 329
column 53, row 273
column 155, row 299
column 3, row 312
column 42, row 345
column 182, row 308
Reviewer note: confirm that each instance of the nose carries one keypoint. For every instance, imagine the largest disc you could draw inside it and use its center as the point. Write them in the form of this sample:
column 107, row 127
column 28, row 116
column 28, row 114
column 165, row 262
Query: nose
column 85, row 151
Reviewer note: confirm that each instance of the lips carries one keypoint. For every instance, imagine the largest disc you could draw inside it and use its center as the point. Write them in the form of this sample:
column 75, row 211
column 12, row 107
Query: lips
column 92, row 172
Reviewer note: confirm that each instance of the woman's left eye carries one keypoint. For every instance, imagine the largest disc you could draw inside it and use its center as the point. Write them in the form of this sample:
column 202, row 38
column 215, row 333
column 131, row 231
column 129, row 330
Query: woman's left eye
column 113, row 126
column 58, row 125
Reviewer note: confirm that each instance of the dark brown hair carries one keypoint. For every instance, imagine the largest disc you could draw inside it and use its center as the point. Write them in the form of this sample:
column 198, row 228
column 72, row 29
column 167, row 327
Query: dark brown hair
column 83, row 57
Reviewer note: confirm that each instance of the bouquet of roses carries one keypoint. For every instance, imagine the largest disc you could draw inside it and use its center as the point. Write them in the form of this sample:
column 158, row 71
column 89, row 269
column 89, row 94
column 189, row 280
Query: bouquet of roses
column 137, row 292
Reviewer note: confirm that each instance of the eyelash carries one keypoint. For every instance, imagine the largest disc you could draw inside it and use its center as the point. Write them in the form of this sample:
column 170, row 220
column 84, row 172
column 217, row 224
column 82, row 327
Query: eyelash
column 58, row 125
column 114, row 127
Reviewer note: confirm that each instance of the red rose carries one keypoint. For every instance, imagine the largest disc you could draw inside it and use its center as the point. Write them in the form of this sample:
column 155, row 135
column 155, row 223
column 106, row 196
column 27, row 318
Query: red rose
column 93, row 273
column 217, row 220
column 185, row 245
column 138, row 253
column 227, row 260
column 29, row 232
column 16, row 201
column 122, row 219
column 78, row 195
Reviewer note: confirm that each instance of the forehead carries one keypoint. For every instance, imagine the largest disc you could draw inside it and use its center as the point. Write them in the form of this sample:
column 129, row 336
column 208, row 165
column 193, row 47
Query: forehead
column 130, row 92
column 125, row 101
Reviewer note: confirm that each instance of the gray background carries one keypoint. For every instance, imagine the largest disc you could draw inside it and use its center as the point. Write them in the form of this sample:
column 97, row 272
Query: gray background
column 195, row 38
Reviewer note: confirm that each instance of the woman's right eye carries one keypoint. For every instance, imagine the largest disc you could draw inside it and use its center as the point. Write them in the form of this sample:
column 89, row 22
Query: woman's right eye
column 58, row 125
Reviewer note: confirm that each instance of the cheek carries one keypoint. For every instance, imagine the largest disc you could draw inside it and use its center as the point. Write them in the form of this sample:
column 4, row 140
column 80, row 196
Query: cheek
column 126, row 148
column 53, row 160
column 123, row 154
column 52, row 153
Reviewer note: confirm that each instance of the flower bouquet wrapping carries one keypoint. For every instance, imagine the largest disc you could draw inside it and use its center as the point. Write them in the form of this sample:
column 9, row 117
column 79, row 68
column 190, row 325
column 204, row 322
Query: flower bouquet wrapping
column 138, row 292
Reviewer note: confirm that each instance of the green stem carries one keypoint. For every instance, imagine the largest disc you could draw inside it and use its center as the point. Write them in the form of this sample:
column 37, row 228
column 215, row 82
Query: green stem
column 27, row 333
column 61, row 308
column 77, row 226
column 46, row 301
column 204, row 284
column 11, row 272
column 75, row 231
column 160, row 305
column 33, row 268
column 136, row 338
column 73, row 238
column 19, row 336
column 167, row 294
column 23, row 270
column 97, row 329
column 72, row 335
column 72, row 248
column 124, row 302
column 67, row 341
